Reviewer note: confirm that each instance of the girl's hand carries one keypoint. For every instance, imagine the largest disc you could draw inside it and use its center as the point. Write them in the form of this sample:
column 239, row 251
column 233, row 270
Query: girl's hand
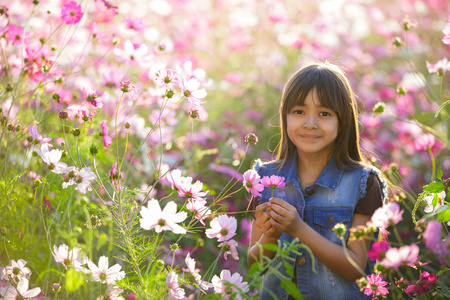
column 284, row 216
column 263, row 221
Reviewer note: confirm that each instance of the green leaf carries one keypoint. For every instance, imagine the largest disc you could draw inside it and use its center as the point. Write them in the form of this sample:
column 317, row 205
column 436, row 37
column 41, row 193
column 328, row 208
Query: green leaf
column 434, row 187
column 271, row 247
column 254, row 269
column 435, row 200
column 443, row 210
column 289, row 269
column 439, row 173
column 291, row 288
column 444, row 215
column 74, row 280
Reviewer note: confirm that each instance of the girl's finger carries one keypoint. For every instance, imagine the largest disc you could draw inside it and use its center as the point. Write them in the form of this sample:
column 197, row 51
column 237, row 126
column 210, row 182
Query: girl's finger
column 276, row 216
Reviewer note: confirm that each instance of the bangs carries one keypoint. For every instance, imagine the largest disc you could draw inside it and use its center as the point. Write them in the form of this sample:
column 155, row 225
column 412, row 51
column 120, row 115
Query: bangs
column 329, row 92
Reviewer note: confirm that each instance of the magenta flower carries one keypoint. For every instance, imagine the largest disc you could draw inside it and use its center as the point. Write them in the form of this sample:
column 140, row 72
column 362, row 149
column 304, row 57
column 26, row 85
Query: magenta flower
column 375, row 285
column 228, row 285
column 426, row 282
column 378, row 250
column 388, row 214
column 273, row 181
column 252, row 183
column 424, row 142
column 395, row 257
column 223, row 228
column 38, row 137
column 192, row 91
column 71, row 13
column 91, row 96
column 107, row 140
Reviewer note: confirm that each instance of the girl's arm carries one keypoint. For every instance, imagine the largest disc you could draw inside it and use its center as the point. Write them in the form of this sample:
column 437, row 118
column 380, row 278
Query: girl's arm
column 285, row 217
column 263, row 232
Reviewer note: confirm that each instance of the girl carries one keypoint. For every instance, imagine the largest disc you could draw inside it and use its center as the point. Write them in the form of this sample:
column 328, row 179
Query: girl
column 326, row 184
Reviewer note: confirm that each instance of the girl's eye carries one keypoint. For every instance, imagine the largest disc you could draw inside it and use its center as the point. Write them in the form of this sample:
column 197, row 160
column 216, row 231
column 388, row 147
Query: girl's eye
column 298, row 112
column 324, row 114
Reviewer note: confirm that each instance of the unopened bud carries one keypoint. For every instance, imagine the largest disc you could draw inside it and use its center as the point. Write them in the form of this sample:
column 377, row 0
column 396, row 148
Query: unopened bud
column 397, row 42
column 251, row 138
column 29, row 139
column 379, row 108
column 9, row 88
column 340, row 230
column 56, row 97
column 127, row 125
column 401, row 91
column 18, row 127
column 37, row 182
column 93, row 149
column 159, row 263
column 10, row 127
column 76, row 132
column 62, row 115
column 194, row 113
column 56, row 287
column 170, row 93
column 34, row 153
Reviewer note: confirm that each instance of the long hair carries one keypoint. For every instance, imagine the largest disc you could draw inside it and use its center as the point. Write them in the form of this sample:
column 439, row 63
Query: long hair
column 335, row 93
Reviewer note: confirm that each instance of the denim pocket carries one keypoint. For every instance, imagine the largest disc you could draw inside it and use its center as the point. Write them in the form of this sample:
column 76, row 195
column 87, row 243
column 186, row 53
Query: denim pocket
column 327, row 217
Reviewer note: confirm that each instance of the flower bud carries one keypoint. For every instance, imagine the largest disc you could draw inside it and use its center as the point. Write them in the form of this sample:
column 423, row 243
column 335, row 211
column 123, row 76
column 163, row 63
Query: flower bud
column 3, row 120
column 37, row 182
column 30, row 139
column 340, row 230
column 379, row 108
column 10, row 127
column 127, row 125
column 174, row 247
column 170, row 93
column 159, row 264
column 34, row 153
column 56, row 287
column 194, row 113
column 401, row 91
column 251, row 138
column 18, row 127
column 76, row 132
column 35, row 2
column 8, row 88
column 62, row 115
column 56, row 97
column 93, row 149
column 397, row 42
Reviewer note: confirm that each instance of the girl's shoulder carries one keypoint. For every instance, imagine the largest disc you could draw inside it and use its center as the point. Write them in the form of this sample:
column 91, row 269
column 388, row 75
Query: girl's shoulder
column 266, row 167
column 370, row 170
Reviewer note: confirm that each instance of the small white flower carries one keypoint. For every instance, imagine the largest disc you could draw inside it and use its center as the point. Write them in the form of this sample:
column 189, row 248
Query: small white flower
column 166, row 219
column 175, row 292
column 9, row 292
column 190, row 262
column 17, row 269
column 52, row 158
column 70, row 258
column 83, row 183
column 104, row 274
column 429, row 200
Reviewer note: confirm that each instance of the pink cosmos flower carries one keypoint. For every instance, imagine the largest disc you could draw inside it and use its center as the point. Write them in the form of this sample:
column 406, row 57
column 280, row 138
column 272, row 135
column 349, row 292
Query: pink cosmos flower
column 17, row 270
column 134, row 24
column 114, row 175
column 252, row 182
column 426, row 282
column 229, row 247
column 107, row 140
column 446, row 31
column 71, row 13
column 113, row 293
column 424, row 142
column 9, row 292
column 47, row 202
column 166, row 219
column 15, row 34
column 70, row 258
column 193, row 192
column 175, row 292
column 190, row 262
column 378, row 250
column 92, row 97
column 104, row 274
column 375, row 285
column 51, row 158
column 174, row 177
column 167, row 78
column 388, row 214
column 199, row 210
column 223, row 228
column 394, row 257
column 228, row 285
column 127, row 87
column 273, row 181
column 429, row 200
column 38, row 137
column 192, row 91
column 440, row 67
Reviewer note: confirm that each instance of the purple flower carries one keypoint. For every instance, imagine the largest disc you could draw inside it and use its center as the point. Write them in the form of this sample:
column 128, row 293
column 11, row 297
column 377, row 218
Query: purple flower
column 38, row 137
column 107, row 140
column 378, row 250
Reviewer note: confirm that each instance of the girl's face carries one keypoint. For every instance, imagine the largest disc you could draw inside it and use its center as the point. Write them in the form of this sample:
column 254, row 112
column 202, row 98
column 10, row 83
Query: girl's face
column 312, row 128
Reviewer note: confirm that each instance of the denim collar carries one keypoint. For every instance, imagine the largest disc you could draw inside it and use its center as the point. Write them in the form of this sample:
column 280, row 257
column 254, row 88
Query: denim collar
column 328, row 178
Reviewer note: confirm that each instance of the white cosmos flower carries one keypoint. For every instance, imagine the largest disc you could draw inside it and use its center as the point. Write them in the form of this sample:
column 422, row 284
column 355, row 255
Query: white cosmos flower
column 190, row 262
column 9, row 292
column 175, row 292
column 83, row 183
column 166, row 219
column 17, row 269
column 52, row 158
column 70, row 258
column 104, row 274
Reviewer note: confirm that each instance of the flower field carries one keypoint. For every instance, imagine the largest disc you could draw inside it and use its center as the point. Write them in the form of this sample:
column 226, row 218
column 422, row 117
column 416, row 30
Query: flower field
column 128, row 130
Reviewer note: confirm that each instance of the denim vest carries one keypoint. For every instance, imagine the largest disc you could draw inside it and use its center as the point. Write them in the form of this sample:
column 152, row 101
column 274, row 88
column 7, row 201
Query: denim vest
column 330, row 200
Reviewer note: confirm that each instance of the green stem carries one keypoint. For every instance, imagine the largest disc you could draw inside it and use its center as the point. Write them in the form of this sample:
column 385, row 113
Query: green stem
column 433, row 164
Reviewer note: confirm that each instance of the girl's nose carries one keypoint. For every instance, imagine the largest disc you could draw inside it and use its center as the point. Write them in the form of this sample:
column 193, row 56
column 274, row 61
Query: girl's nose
column 310, row 123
